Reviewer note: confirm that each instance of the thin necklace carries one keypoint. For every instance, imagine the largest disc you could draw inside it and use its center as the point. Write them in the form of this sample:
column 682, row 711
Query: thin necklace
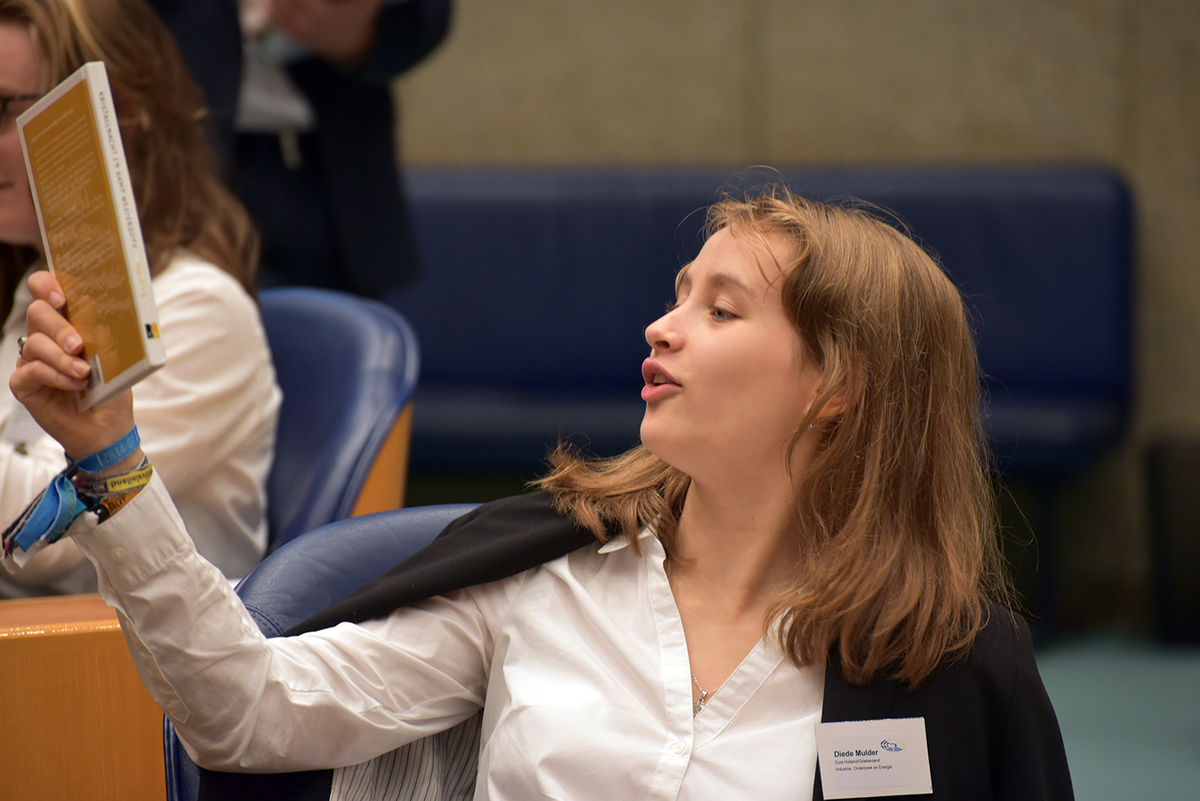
column 705, row 696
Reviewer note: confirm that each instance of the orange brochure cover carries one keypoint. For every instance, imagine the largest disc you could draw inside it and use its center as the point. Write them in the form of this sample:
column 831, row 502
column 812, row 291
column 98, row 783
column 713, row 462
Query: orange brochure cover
column 90, row 230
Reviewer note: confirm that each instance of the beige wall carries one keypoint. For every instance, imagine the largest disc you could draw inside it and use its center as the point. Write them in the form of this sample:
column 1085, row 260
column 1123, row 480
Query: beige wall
column 790, row 81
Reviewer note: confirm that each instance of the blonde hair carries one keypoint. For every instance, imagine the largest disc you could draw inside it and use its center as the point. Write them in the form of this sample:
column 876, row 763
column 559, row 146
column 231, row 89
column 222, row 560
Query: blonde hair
column 897, row 555
column 180, row 198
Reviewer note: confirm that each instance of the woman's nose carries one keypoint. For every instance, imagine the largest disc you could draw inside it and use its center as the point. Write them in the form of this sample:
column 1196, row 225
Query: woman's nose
column 661, row 334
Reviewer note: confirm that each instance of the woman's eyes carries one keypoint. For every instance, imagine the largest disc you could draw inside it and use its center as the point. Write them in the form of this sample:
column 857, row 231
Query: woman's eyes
column 722, row 314
column 716, row 312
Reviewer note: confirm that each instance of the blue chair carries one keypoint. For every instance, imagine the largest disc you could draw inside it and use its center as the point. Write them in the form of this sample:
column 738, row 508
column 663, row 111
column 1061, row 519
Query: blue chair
column 348, row 368
column 307, row 575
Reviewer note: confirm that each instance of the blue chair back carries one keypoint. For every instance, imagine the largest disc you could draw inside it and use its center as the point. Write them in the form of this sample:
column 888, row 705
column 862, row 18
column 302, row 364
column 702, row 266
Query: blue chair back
column 347, row 366
column 308, row 574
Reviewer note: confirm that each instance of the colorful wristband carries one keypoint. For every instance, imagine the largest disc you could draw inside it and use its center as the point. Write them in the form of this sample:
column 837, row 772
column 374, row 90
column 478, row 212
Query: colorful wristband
column 69, row 495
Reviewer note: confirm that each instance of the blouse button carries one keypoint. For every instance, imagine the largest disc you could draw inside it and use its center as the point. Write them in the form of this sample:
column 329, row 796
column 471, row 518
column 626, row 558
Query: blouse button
column 680, row 748
column 119, row 554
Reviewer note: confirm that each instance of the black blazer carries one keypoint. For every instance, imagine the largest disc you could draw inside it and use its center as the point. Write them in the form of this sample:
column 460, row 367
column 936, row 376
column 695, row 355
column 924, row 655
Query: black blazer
column 356, row 151
column 991, row 730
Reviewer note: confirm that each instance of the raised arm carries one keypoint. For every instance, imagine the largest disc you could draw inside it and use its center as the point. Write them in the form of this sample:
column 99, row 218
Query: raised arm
column 240, row 701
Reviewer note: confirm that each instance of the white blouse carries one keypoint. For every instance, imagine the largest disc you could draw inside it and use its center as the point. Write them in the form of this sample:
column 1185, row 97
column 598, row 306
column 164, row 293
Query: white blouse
column 580, row 665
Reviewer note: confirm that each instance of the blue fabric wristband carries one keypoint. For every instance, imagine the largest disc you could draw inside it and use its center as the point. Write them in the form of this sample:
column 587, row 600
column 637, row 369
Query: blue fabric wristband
column 50, row 515
column 107, row 457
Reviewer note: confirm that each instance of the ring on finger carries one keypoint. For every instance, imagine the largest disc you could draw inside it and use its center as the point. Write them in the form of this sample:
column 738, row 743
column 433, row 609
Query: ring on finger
column 21, row 340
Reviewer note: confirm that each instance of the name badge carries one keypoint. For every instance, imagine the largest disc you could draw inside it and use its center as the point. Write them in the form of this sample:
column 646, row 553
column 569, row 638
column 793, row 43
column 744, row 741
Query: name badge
column 873, row 758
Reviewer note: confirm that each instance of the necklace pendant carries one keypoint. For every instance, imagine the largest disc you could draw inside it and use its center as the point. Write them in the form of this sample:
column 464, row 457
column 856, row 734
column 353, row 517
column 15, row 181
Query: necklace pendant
column 699, row 703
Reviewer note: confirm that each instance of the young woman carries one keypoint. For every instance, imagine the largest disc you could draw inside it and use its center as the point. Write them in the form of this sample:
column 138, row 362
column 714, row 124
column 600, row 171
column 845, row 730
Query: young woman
column 805, row 536
column 207, row 417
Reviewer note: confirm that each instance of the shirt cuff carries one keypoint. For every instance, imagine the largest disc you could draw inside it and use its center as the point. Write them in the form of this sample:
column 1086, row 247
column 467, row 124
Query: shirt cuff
column 137, row 541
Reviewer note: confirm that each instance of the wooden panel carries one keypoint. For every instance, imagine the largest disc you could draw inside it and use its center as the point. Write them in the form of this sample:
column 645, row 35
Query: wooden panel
column 77, row 720
column 384, row 488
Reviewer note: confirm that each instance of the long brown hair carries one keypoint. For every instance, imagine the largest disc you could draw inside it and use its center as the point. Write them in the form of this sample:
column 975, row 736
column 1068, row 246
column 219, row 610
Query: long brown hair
column 897, row 548
column 181, row 200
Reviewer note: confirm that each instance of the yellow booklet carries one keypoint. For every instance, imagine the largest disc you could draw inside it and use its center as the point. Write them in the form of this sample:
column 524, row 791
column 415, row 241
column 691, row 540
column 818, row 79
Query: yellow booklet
column 90, row 230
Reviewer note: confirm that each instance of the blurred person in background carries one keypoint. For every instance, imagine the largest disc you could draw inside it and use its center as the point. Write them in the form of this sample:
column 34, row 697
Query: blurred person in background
column 300, row 104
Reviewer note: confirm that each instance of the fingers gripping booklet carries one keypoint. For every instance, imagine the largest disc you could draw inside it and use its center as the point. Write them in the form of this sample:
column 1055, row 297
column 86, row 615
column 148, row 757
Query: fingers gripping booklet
column 90, row 230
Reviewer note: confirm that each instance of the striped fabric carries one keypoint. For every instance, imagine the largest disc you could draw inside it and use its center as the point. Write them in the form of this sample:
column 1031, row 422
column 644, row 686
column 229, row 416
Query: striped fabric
column 441, row 767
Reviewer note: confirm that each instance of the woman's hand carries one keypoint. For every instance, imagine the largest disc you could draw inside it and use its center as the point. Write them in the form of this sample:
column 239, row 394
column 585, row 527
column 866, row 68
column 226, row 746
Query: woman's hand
column 50, row 373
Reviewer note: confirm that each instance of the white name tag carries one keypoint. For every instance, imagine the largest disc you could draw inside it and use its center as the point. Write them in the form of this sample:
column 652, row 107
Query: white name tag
column 872, row 758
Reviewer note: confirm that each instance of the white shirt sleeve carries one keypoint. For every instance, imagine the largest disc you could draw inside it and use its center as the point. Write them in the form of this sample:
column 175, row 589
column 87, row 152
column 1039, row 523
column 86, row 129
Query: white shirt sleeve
column 242, row 702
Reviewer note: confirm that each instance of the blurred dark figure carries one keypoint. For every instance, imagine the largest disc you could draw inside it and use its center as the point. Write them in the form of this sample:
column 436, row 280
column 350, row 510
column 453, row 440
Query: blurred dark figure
column 303, row 120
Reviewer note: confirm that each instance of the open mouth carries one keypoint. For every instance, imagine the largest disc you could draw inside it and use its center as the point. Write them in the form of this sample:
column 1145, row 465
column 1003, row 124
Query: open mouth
column 654, row 374
column 658, row 381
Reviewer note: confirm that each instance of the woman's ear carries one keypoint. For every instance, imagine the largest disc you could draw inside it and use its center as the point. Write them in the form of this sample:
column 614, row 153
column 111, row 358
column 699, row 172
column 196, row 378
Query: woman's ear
column 842, row 396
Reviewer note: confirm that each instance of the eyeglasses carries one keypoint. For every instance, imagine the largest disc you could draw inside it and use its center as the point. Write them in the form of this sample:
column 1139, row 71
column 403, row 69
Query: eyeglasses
column 8, row 113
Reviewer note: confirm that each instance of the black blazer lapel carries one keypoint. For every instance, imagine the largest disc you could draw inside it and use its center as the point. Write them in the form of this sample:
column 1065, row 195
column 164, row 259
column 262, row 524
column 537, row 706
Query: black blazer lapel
column 845, row 701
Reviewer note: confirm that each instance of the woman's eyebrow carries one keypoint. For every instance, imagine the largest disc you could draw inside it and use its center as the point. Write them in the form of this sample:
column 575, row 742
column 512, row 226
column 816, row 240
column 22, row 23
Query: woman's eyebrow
column 729, row 283
column 718, row 281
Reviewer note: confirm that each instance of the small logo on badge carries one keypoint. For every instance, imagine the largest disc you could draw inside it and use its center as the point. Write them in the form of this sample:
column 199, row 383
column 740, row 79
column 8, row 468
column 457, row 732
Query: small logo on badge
column 892, row 745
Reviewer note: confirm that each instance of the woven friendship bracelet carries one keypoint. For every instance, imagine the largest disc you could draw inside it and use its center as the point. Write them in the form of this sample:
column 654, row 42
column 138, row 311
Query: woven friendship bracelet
column 133, row 479
column 105, row 496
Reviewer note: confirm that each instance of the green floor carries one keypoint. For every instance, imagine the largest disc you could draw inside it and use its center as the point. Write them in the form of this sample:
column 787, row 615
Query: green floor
column 1130, row 715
